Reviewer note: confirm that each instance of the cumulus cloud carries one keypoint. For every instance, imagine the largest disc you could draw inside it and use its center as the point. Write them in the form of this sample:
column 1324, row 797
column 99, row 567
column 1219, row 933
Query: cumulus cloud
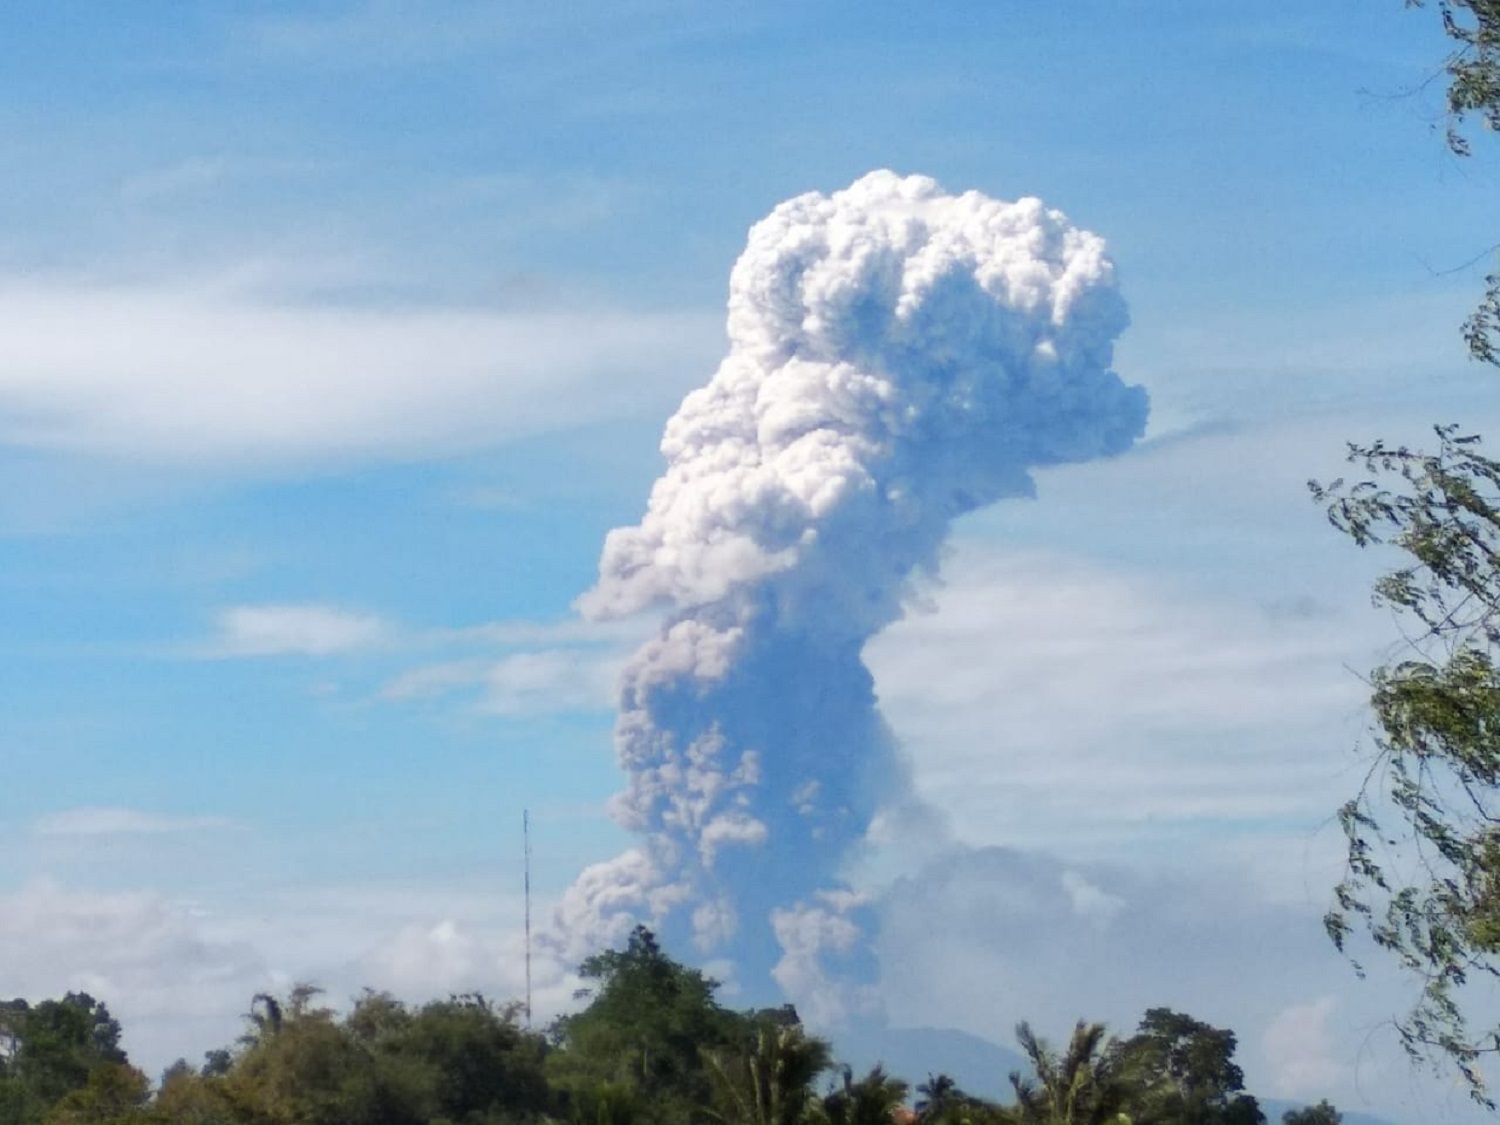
column 433, row 958
column 177, row 376
column 1061, row 704
column 296, row 630
column 179, row 973
column 898, row 357
column 159, row 964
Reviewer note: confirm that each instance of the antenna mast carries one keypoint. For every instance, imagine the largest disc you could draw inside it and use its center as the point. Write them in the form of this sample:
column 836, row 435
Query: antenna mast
column 526, row 843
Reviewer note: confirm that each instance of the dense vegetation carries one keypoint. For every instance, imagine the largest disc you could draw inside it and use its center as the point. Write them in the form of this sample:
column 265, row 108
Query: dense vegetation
column 652, row 1047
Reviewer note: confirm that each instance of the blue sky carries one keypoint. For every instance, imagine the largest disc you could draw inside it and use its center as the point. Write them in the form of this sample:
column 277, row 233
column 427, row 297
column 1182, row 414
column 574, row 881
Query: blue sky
column 338, row 335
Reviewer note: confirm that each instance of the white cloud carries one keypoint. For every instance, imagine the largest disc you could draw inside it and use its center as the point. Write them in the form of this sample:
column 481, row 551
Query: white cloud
column 203, row 376
column 978, row 940
column 119, row 822
column 1053, row 703
column 553, row 666
column 296, row 630
column 179, row 974
column 433, row 680
column 1089, row 902
column 169, row 185
column 565, row 631
column 552, row 681
column 164, row 972
column 557, row 667
column 1300, row 1051
column 809, row 932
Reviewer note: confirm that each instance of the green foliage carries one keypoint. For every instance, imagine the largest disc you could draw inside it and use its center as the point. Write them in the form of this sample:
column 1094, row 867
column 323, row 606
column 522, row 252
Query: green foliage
column 1423, row 874
column 461, row 1060
column 113, row 1094
column 606, row 1104
column 1077, row 1087
column 647, row 1026
column 1321, row 1114
column 940, row 1101
column 1473, row 72
column 1177, row 1070
column 51, row 1050
column 1473, row 65
column 479, row 1055
column 872, row 1100
column 300, row 1066
column 768, row 1079
column 186, row 1098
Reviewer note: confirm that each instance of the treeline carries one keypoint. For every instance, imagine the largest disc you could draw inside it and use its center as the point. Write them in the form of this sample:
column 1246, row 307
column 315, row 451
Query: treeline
column 652, row 1047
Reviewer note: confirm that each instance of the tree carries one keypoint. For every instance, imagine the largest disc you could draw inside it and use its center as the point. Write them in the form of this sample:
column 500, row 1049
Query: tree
column 1180, row 1071
column 1321, row 1114
column 1074, row 1088
column 299, row 1064
column 873, row 1100
column 1429, row 797
column 49, row 1050
column 114, row 1094
column 941, row 1102
column 1423, row 834
column 769, row 1079
column 1473, row 72
column 188, row 1098
column 937, row 1098
column 473, row 1054
column 647, row 1026
column 609, row 1103
column 461, row 1060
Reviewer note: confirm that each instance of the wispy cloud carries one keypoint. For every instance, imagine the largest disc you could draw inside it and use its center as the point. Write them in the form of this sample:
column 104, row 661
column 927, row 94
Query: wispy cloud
column 91, row 822
column 553, row 681
column 431, row 681
column 296, row 630
column 505, row 668
column 173, row 376
column 555, row 667
column 196, row 176
column 541, row 634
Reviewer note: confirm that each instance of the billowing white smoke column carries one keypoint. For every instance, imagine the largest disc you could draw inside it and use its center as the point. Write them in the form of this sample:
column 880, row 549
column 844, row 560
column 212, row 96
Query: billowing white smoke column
column 898, row 357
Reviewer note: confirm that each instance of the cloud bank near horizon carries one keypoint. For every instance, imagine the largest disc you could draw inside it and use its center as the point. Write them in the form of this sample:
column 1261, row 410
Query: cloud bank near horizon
column 898, row 357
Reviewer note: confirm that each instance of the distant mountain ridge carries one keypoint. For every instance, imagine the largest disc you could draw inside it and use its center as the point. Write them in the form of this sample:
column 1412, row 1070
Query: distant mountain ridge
column 977, row 1065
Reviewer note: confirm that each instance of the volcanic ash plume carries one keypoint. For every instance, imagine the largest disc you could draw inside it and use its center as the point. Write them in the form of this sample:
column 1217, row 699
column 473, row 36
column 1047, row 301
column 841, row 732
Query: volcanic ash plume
column 898, row 357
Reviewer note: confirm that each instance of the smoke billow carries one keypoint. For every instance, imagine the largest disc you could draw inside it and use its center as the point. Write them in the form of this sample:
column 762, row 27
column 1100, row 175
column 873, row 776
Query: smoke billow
column 898, row 357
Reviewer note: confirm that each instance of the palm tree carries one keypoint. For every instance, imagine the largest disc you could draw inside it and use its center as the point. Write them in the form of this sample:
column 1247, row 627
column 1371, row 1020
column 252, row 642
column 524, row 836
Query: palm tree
column 941, row 1102
column 1075, row 1088
column 936, row 1097
column 771, row 1081
column 873, row 1100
